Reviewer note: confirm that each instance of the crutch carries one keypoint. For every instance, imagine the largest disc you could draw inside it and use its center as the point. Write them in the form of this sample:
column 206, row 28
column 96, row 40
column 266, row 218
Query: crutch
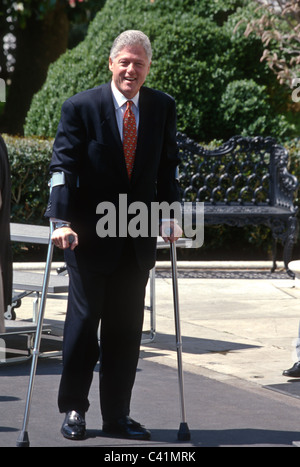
column 183, row 432
column 23, row 439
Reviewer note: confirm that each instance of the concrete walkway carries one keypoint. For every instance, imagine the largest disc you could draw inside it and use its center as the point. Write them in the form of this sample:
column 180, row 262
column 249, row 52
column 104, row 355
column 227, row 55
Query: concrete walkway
column 239, row 324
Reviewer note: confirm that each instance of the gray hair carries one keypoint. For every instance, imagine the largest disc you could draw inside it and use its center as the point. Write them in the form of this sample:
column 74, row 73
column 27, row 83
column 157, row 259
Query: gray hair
column 129, row 38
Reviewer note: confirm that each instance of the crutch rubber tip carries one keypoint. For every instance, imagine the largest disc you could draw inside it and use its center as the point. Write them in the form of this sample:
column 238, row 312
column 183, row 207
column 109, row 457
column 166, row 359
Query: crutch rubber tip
column 23, row 440
column 184, row 432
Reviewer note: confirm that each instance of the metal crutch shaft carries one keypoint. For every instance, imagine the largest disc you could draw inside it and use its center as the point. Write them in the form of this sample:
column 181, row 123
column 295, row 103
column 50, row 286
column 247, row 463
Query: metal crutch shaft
column 184, row 432
column 23, row 439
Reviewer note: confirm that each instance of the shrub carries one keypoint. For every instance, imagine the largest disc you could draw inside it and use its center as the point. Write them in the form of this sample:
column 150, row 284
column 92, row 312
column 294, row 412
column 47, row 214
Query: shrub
column 196, row 55
column 29, row 164
column 247, row 111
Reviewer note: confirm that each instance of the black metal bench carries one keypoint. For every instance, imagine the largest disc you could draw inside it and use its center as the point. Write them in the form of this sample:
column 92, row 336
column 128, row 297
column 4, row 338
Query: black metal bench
column 243, row 182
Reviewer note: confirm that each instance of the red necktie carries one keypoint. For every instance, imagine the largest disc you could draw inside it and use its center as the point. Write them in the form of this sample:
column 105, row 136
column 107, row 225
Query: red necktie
column 129, row 137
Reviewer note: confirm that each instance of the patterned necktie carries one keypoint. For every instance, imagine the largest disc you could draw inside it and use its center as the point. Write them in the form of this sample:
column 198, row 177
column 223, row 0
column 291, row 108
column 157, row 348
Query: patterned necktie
column 129, row 137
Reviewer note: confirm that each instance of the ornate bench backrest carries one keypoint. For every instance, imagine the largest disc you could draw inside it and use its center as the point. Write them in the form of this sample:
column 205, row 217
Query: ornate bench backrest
column 243, row 171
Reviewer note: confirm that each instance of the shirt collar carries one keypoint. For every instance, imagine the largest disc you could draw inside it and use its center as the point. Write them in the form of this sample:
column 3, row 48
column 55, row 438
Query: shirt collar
column 120, row 99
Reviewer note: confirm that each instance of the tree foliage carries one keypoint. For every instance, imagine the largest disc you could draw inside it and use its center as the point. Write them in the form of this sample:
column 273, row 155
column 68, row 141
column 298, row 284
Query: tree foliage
column 277, row 23
column 16, row 16
column 197, row 58
column 34, row 33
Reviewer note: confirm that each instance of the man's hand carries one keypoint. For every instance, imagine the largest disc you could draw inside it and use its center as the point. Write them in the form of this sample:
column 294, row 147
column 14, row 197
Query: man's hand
column 61, row 238
column 170, row 231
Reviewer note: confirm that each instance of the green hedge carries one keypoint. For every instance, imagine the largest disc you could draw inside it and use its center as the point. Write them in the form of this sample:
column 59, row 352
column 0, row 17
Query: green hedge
column 197, row 57
column 29, row 164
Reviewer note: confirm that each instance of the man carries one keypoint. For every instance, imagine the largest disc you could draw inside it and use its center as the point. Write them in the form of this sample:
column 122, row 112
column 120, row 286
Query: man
column 5, row 248
column 108, row 274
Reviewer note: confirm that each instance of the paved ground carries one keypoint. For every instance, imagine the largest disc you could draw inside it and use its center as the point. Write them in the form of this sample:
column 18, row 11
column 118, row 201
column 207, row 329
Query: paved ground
column 238, row 324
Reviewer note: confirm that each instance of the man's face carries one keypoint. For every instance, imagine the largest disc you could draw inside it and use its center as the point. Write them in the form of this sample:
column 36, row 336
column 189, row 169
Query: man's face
column 130, row 69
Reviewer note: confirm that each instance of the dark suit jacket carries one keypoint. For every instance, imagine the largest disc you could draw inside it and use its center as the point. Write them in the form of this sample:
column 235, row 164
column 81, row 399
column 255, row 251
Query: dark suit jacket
column 88, row 148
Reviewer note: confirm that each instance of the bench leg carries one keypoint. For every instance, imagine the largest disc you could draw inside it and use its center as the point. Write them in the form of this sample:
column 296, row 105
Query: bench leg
column 35, row 305
column 292, row 233
column 274, row 254
column 151, row 308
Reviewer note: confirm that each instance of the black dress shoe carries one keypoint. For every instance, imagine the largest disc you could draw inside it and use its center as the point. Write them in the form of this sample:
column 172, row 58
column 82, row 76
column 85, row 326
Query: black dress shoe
column 126, row 428
column 293, row 372
column 73, row 426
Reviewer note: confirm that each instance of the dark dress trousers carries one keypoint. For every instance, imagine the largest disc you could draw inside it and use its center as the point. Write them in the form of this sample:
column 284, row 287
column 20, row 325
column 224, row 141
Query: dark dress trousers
column 108, row 275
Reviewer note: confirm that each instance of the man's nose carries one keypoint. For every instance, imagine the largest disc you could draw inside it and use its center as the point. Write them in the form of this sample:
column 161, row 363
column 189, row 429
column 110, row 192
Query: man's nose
column 130, row 68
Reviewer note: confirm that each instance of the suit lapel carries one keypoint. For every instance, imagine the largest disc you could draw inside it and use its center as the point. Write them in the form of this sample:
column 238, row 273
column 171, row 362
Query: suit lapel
column 108, row 117
column 110, row 129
